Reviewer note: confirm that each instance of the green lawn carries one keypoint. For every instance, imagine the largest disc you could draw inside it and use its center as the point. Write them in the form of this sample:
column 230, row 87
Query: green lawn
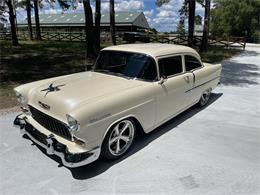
column 217, row 54
column 38, row 60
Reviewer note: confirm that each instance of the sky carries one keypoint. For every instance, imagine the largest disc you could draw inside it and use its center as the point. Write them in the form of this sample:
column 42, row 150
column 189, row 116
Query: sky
column 163, row 19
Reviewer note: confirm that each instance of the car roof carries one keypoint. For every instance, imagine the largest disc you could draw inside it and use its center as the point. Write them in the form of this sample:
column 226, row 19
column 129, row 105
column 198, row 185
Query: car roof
column 154, row 49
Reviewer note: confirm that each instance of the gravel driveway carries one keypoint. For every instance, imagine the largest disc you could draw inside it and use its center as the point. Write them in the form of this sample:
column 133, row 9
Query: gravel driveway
column 215, row 150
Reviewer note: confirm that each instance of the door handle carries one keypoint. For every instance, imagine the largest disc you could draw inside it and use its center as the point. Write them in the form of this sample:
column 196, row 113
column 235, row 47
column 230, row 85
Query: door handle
column 187, row 79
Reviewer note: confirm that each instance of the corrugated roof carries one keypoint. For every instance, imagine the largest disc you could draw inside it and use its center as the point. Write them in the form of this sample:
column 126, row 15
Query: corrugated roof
column 79, row 18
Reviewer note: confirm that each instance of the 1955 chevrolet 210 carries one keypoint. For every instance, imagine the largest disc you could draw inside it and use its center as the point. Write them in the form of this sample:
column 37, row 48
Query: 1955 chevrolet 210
column 83, row 116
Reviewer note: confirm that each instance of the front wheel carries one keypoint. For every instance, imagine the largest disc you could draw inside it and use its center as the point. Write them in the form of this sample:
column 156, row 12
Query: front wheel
column 118, row 139
column 204, row 98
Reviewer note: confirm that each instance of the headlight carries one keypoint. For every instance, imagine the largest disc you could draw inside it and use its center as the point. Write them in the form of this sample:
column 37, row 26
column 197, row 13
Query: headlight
column 20, row 97
column 73, row 123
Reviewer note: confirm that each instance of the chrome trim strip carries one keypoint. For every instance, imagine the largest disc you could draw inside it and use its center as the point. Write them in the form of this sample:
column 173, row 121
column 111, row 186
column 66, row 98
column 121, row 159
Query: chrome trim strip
column 202, row 84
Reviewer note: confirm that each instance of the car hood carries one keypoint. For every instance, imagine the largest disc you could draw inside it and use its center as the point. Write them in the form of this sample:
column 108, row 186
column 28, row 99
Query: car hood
column 77, row 90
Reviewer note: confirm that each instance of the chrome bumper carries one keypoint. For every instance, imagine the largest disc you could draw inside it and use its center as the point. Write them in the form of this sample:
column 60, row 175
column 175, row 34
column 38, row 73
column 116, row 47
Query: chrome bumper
column 53, row 147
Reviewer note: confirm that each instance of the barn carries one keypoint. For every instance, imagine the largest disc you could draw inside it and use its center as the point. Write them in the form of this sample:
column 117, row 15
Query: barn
column 74, row 22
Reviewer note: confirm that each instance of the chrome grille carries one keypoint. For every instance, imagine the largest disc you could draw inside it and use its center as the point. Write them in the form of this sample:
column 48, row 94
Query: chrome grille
column 50, row 123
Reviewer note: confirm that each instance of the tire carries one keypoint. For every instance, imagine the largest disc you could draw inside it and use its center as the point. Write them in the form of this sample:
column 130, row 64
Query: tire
column 119, row 139
column 204, row 99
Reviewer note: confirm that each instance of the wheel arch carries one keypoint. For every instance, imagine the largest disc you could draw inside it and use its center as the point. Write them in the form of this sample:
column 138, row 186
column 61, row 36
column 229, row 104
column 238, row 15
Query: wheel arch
column 139, row 127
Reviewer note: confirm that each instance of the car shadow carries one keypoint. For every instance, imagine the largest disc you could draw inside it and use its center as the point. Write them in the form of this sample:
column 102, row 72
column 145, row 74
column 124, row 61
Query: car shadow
column 141, row 141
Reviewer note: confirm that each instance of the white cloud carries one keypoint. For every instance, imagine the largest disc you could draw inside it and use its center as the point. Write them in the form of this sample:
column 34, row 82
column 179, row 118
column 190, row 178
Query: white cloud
column 149, row 15
column 164, row 18
column 199, row 9
column 167, row 16
column 21, row 14
column 51, row 11
column 124, row 5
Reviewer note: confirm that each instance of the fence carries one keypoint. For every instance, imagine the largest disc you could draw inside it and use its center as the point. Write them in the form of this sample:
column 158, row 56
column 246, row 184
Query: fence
column 105, row 37
column 213, row 41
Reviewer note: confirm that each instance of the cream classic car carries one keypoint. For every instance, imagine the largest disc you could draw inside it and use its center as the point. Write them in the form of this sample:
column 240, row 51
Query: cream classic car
column 83, row 116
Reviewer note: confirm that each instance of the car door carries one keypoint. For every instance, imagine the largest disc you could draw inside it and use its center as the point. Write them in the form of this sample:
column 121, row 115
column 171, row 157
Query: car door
column 170, row 92
column 194, row 66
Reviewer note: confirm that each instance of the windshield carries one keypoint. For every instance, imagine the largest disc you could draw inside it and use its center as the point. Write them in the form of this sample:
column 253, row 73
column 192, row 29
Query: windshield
column 126, row 64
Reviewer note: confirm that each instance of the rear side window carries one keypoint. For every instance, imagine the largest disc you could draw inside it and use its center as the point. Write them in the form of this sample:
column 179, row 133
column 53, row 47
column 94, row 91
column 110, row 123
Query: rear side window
column 170, row 66
column 191, row 63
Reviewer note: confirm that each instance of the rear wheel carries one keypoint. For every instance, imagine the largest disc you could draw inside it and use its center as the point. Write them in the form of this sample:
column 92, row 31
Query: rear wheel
column 204, row 98
column 118, row 139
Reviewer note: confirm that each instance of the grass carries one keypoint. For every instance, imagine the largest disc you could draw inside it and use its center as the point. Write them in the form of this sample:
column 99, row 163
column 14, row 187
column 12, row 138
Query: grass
column 38, row 60
column 217, row 54
column 7, row 96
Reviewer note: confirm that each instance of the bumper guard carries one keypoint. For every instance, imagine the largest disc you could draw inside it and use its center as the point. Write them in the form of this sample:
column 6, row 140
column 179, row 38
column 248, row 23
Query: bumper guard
column 53, row 147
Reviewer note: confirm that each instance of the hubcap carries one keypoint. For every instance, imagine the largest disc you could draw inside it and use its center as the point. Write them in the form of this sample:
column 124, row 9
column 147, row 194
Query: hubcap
column 121, row 137
column 205, row 97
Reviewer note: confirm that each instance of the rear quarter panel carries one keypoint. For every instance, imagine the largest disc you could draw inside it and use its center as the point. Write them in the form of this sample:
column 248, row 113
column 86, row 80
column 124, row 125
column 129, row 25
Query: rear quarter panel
column 206, row 78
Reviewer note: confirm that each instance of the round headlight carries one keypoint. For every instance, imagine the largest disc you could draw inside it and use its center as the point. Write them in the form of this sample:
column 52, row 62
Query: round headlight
column 19, row 97
column 73, row 123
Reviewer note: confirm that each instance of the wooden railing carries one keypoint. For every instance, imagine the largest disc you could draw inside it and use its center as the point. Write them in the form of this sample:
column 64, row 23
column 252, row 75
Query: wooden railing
column 213, row 41
column 171, row 39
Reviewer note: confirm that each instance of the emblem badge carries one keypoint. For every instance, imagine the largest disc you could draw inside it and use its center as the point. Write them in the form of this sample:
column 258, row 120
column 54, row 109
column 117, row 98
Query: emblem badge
column 45, row 106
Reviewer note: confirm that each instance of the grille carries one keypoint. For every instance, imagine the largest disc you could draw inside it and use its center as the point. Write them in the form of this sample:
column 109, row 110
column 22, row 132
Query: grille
column 50, row 123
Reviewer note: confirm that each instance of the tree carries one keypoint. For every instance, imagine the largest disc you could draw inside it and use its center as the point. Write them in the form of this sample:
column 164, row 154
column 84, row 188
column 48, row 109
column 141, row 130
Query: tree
column 181, row 27
column 3, row 10
column 204, row 42
column 37, row 20
column 11, row 20
column 26, row 4
column 89, row 29
column 36, row 3
column 198, row 20
column 191, row 20
column 188, row 9
column 235, row 18
column 159, row 3
column 29, row 21
column 112, row 22
column 97, row 24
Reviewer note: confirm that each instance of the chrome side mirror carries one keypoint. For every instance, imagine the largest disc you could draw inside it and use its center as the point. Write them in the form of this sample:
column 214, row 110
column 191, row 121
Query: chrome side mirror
column 162, row 80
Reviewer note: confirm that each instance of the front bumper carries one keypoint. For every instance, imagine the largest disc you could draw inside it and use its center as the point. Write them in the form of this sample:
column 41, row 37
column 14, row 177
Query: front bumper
column 53, row 147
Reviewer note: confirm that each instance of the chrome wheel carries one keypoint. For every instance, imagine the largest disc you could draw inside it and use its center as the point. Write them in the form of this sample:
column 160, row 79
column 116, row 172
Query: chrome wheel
column 121, row 137
column 204, row 98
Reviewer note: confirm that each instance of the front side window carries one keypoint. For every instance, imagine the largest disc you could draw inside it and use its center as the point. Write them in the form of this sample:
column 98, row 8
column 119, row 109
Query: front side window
column 170, row 66
column 191, row 63
column 126, row 64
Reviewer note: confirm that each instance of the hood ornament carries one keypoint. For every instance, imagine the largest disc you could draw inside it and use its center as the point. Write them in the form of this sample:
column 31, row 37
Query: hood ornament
column 52, row 88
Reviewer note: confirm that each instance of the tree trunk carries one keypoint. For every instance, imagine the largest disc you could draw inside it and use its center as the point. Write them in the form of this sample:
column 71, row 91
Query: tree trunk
column 90, row 38
column 37, row 20
column 29, row 21
column 191, row 20
column 112, row 22
column 97, row 24
column 12, row 22
column 204, row 42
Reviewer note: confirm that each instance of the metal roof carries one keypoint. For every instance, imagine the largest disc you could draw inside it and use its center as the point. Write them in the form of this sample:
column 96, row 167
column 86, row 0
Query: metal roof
column 78, row 19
